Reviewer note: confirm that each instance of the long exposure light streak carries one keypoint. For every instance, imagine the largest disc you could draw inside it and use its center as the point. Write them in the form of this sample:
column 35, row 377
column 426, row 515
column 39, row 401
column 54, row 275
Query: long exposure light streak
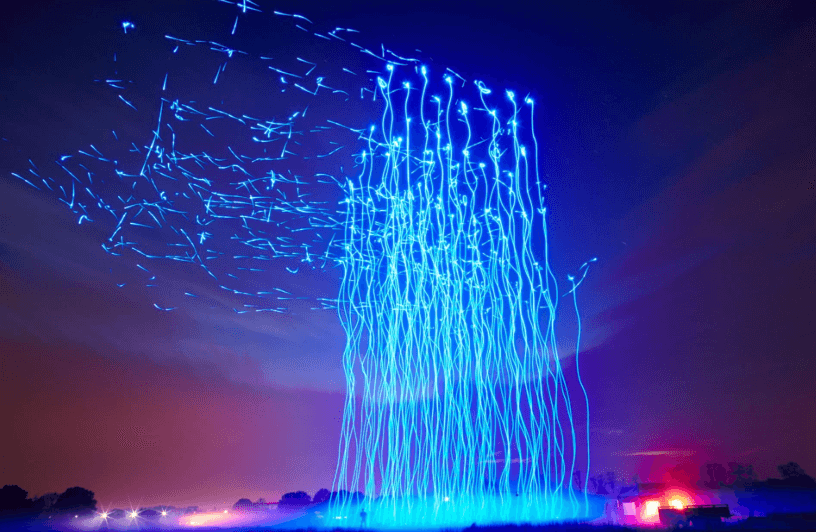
column 458, row 408
column 465, row 413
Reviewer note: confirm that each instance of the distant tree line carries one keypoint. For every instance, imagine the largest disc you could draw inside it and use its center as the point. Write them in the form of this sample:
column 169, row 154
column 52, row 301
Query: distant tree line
column 14, row 502
column 298, row 499
column 713, row 476
column 794, row 491
column 606, row 484
column 740, row 476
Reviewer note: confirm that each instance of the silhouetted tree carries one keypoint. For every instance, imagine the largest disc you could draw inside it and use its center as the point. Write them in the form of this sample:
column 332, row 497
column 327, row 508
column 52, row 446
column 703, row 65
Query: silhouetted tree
column 598, row 484
column 740, row 475
column 13, row 499
column 717, row 476
column 295, row 498
column 44, row 503
column 322, row 495
column 76, row 500
column 794, row 476
column 149, row 513
column 610, row 481
column 243, row 504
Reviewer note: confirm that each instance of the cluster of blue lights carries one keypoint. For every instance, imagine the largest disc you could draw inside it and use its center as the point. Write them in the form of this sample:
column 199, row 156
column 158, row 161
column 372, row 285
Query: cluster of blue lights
column 458, row 408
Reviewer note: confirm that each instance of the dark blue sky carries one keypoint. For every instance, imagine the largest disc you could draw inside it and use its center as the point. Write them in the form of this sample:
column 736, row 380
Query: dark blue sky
column 678, row 148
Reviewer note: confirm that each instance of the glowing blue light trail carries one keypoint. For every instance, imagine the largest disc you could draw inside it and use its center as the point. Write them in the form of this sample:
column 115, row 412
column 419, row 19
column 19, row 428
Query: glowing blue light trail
column 465, row 413
column 458, row 408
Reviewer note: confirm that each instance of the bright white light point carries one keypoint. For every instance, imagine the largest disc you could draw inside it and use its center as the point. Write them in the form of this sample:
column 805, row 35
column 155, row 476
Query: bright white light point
column 390, row 67
column 134, row 515
column 225, row 511
column 676, row 503
column 448, row 79
column 423, row 70
column 104, row 515
column 446, row 499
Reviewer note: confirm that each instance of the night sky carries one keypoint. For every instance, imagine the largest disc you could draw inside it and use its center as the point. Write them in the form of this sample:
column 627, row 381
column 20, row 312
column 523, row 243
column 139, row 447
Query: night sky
column 679, row 144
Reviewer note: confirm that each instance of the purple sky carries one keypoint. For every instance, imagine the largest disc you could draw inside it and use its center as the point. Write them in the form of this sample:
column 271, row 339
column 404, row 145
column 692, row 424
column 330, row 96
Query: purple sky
column 679, row 150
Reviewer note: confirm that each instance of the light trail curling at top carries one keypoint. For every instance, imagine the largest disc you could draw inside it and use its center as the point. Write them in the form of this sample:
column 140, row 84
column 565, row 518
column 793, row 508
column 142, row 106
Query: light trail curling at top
column 422, row 190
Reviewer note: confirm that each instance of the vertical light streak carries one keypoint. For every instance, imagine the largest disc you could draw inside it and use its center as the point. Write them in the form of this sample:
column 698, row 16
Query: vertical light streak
column 457, row 408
